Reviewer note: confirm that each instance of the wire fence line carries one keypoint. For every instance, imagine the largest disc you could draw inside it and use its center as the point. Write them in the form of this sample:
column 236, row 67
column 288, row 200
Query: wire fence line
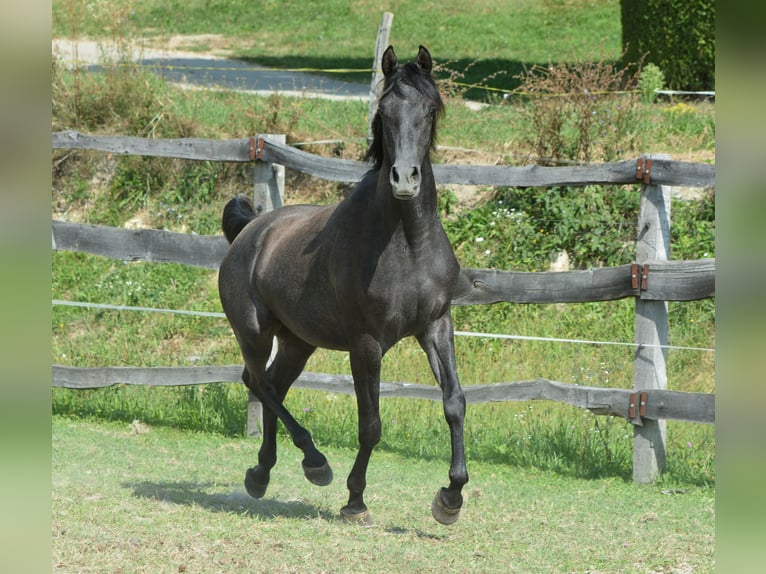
column 507, row 92
column 163, row 65
column 218, row 315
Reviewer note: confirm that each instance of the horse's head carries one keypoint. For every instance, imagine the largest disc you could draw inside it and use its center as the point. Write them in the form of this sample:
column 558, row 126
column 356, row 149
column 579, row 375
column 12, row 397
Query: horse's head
column 404, row 127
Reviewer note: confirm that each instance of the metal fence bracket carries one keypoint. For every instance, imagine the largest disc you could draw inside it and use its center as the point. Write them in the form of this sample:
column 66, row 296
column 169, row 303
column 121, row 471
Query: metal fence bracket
column 256, row 148
column 637, row 407
column 644, row 170
column 639, row 272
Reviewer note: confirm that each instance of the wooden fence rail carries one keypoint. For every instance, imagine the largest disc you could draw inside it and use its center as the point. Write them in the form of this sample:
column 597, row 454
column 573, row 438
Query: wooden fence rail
column 652, row 280
column 658, row 404
column 155, row 245
column 665, row 280
column 264, row 148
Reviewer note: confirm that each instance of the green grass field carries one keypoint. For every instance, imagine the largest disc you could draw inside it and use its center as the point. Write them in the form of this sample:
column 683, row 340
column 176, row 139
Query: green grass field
column 545, row 436
column 472, row 40
column 145, row 499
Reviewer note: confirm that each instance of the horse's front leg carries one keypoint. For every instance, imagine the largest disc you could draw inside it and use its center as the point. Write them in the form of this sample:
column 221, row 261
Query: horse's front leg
column 365, row 367
column 439, row 345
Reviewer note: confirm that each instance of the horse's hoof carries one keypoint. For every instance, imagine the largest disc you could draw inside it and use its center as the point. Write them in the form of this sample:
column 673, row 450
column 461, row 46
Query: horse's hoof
column 362, row 518
column 253, row 485
column 442, row 513
column 319, row 475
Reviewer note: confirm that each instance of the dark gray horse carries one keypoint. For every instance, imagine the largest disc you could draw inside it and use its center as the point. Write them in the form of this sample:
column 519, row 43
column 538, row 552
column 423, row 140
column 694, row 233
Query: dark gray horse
column 358, row 276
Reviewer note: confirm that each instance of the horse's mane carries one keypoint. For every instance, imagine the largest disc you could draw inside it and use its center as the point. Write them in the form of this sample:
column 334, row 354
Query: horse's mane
column 411, row 75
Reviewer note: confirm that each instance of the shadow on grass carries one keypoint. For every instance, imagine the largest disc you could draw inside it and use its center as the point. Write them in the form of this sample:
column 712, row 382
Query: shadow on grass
column 399, row 530
column 237, row 502
column 496, row 73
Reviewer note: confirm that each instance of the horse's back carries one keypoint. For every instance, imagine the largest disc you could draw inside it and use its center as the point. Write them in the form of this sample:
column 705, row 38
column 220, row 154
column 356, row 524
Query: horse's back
column 280, row 262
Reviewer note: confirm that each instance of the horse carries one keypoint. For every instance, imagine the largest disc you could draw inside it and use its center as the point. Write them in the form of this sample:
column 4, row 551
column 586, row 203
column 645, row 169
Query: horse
column 357, row 276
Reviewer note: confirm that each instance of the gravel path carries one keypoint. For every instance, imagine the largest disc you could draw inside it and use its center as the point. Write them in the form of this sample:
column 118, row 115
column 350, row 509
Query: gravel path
column 197, row 69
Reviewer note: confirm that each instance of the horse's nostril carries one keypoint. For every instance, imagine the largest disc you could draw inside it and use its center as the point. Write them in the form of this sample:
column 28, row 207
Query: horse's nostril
column 405, row 179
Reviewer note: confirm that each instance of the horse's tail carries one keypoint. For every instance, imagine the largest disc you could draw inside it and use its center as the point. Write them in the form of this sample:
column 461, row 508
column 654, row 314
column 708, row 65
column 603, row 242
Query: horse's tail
column 237, row 213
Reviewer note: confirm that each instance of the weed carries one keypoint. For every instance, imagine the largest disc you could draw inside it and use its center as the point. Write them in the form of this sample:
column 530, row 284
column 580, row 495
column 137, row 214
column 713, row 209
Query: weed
column 650, row 80
column 582, row 112
column 454, row 80
column 693, row 227
column 687, row 122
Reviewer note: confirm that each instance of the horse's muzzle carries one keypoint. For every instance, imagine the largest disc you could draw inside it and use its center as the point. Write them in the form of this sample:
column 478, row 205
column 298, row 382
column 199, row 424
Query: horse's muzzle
column 405, row 181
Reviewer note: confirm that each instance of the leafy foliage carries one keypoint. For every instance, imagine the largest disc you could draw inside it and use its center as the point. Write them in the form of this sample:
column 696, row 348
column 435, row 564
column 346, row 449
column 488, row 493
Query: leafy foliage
column 650, row 80
column 693, row 227
column 676, row 35
column 524, row 229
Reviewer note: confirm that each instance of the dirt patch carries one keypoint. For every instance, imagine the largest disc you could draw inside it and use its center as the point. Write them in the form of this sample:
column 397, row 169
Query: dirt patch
column 88, row 52
column 212, row 45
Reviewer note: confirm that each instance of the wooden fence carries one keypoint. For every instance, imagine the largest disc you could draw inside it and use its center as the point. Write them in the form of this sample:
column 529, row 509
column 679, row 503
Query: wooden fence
column 652, row 280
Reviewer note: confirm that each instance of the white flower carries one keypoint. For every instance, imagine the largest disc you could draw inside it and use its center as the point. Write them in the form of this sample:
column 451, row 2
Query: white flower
column 479, row 239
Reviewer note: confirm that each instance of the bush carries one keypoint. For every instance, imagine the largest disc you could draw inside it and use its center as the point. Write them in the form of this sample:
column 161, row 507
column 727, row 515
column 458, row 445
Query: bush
column 524, row 229
column 676, row 35
column 692, row 227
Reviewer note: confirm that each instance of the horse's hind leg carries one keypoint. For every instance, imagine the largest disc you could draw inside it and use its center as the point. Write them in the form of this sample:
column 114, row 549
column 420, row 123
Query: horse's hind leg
column 287, row 366
column 256, row 355
column 257, row 478
column 270, row 387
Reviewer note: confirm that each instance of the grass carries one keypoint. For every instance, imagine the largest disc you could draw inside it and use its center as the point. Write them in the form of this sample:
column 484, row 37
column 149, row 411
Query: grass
column 474, row 40
column 543, row 436
column 117, row 508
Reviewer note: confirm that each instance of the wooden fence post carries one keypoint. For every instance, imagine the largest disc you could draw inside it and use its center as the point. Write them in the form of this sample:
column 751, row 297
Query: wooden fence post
column 377, row 74
column 268, row 194
column 269, row 180
column 651, row 325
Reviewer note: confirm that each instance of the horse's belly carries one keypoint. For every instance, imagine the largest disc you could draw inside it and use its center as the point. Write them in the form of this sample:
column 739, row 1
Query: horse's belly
column 320, row 329
column 335, row 323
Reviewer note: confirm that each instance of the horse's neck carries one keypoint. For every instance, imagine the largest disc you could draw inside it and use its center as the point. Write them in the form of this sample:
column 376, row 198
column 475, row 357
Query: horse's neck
column 417, row 220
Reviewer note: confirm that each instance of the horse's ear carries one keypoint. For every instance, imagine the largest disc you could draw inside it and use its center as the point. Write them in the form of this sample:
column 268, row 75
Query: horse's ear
column 389, row 61
column 424, row 60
